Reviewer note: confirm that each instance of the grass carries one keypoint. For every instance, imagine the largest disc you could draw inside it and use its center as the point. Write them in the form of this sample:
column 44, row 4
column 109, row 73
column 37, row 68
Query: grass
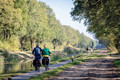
column 10, row 58
column 55, row 72
column 117, row 63
column 113, row 53
column 93, row 56
column 59, row 60
column 65, row 58
column 96, row 51
column 4, row 76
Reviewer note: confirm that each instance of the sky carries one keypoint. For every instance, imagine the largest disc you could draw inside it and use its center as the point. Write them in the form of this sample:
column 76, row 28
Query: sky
column 62, row 9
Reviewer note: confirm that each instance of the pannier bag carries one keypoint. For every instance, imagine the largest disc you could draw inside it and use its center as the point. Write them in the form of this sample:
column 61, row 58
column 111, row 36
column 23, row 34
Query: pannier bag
column 45, row 59
column 36, row 62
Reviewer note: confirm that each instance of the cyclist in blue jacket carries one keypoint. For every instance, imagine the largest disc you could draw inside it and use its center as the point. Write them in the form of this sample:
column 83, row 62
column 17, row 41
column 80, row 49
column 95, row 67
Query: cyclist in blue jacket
column 37, row 51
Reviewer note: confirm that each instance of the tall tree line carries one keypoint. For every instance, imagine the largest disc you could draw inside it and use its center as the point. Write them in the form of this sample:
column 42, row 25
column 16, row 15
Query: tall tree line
column 26, row 22
column 102, row 18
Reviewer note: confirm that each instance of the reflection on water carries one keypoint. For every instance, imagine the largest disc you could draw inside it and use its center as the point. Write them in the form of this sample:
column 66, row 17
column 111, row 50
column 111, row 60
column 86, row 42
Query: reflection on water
column 14, row 67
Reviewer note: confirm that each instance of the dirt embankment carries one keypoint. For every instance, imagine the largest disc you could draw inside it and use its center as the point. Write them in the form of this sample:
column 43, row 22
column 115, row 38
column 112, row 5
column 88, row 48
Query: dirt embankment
column 24, row 55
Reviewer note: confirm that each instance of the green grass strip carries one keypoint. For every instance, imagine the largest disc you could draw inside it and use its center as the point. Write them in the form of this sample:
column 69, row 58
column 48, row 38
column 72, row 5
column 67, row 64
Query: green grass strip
column 113, row 53
column 3, row 76
column 117, row 63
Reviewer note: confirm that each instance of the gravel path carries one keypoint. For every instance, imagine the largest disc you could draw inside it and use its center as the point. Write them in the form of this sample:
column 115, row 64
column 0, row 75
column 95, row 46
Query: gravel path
column 96, row 69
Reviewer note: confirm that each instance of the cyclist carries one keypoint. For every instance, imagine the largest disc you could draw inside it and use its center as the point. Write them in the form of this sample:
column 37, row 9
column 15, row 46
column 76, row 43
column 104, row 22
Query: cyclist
column 46, row 53
column 37, row 53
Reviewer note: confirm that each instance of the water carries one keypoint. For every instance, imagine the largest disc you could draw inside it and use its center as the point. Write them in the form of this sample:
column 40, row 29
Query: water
column 15, row 67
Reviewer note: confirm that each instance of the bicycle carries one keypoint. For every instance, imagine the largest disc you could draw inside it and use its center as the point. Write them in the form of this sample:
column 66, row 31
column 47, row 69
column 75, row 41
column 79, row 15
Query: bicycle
column 45, row 62
column 37, row 64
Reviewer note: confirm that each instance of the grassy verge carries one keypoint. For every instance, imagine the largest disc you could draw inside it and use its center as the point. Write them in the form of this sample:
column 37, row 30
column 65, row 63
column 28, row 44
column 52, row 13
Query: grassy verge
column 56, row 71
column 65, row 58
column 117, row 63
column 4, row 76
column 113, row 53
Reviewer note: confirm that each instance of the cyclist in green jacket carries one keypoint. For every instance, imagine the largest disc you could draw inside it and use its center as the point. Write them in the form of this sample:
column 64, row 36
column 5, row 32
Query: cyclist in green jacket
column 46, row 53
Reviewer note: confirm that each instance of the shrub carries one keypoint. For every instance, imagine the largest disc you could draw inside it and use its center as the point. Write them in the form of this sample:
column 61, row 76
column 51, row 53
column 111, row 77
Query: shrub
column 1, row 45
column 71, row 50
column 57, row 56
column 11, row 44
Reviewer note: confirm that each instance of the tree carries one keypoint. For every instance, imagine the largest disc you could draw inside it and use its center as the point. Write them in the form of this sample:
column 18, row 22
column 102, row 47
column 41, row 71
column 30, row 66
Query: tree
column 101, row 18
column 37, row 23
column 21, row 4
column 10, row 18
column 26, row 22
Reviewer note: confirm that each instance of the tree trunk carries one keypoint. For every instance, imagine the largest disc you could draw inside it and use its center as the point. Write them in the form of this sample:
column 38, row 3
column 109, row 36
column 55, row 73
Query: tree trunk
column 32, row 43
column 4, row 35
column 54, row 47
column 21, row 42
column 117, row 44
column 118, row 48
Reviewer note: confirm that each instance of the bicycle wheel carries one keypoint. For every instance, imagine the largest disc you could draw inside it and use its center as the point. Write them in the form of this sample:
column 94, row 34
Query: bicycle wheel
column 37, row 68
column 46, row 66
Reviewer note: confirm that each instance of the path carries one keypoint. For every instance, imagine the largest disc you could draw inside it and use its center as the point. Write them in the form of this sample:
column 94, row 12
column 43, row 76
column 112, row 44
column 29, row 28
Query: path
column 28, row 75
column 96, row 69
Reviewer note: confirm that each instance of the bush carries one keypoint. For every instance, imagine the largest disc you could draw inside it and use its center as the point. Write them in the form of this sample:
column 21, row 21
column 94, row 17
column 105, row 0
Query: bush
column 11, row 44
column 71, row 50
column 57, row 56
column 117, row 63
column 1, row 45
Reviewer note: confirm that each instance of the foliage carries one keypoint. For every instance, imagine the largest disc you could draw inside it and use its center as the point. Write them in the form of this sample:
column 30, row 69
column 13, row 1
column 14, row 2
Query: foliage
column 11, row 45
column 58, row 56
column 1, row 44
column 10, row 19
column 101, row 18
column 86, row 42
column 117, row 63
column 70, row 50
column 24, row 23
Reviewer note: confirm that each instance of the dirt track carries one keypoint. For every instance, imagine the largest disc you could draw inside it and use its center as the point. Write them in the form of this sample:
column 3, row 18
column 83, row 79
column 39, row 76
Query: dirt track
column 97, row 69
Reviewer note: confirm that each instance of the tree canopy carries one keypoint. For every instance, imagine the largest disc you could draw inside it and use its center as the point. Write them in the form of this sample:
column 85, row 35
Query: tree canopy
column 102, row 18
column 24, row 23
